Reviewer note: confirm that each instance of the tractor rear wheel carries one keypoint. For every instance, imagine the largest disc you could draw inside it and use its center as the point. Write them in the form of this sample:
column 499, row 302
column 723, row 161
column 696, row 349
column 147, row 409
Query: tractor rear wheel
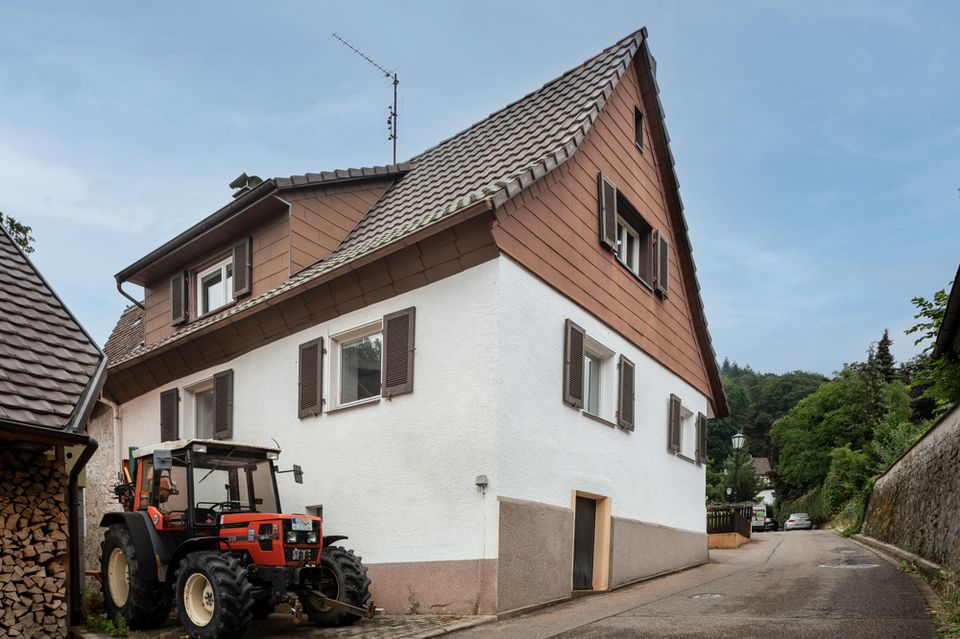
column 343, row 577
column 214, row 597
column 140, row 602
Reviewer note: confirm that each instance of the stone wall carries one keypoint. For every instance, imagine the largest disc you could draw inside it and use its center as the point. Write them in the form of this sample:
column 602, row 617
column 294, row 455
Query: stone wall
column 916, row 504
column 98, row 496
column 33, row 543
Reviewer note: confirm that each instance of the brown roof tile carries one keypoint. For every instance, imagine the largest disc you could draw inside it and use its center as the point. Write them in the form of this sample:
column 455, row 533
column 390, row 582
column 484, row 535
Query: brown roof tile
column 47, row 360
column 128, row 334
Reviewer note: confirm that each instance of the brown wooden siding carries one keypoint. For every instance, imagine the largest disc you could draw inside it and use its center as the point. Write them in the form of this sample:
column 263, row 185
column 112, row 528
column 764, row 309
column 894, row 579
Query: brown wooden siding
column 438, row 256
column 321, row 217
column 552, row 229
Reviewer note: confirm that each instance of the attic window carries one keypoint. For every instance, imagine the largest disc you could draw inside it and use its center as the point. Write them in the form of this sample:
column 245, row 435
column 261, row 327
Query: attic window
column 638, row 127
column 215, row 287
column 634, row 241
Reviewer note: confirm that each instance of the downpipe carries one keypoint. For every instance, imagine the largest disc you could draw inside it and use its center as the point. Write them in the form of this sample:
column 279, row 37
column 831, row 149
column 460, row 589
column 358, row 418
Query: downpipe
column 73, row 491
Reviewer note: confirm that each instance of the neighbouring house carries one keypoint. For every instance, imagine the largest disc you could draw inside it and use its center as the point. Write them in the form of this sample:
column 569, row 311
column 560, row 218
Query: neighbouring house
column 762, row 467
column 51, row 373
column 491, row 361
column 915, row 503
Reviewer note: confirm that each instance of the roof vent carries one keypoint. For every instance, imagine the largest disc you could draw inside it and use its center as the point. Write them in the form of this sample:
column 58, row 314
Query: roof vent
column 244, row 183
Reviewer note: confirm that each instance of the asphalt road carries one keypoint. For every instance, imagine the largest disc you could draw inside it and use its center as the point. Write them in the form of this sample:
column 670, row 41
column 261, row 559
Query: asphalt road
column 780, row 585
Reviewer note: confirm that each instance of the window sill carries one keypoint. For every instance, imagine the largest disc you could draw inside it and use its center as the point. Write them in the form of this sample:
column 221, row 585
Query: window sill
column 686, row 459
column 356, row 404
column 597, row 418
column 629, row 270
column 219, row 309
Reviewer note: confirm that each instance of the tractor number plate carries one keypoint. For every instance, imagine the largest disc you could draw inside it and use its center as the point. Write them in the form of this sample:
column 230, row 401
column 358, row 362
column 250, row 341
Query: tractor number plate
column 306, row 555
column 302, row 524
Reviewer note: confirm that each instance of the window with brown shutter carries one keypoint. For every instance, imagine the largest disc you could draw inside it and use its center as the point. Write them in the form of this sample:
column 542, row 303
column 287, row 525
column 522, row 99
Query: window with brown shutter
column 179, row 298
column 311, row 378
column 674, row 425
column 625, row 417
column 701, row 438
column 242, row 267
column 608, row 213
column 223, row 405
column 170, row 415
column 398, row 350
column 662, row 259
column 573, row 364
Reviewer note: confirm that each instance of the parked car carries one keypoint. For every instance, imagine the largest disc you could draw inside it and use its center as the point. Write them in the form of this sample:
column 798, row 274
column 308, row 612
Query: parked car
column 798, row 521
column 770, row 525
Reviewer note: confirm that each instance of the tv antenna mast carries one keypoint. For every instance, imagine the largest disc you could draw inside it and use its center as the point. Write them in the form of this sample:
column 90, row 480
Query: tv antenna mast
column 390, row 75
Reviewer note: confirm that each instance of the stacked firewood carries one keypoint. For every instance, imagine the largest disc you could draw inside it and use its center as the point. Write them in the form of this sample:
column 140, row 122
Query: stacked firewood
column 33, row 545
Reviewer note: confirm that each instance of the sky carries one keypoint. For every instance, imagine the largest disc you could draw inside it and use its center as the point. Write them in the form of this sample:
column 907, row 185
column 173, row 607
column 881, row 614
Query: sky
column 817, row 143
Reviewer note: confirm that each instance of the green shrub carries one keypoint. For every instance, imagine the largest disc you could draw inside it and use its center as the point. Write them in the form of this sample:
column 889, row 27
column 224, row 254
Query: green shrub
column 848, row 472
column 814, row 503
column 116, row 627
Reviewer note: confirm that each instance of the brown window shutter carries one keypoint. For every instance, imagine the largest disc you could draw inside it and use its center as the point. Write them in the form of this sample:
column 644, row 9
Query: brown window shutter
column 170, row 415
column 627, row 385
column 674, row 426
column 608, row 213
column 311, row 378
column 661, row 252
column 398, row 347
column 179, row 300
column 223, row 405
column 573, row 364
column 701, row 438
column 242, row 267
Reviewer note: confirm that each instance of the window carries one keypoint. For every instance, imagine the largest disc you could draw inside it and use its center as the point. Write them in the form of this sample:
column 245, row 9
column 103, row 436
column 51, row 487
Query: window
column 634, row 242
column 638, row 127
column 358, row 357
column 215, row 287
column 598, row 377
column 688, row 433
column 200, row 405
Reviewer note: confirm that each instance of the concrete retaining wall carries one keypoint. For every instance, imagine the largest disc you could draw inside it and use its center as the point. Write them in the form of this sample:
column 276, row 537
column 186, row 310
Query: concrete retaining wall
column 915, row 505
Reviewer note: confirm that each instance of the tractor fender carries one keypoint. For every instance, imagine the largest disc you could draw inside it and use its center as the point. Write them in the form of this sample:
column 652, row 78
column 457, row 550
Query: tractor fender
column 191, row 545
column 146, row 539
column 332, row 539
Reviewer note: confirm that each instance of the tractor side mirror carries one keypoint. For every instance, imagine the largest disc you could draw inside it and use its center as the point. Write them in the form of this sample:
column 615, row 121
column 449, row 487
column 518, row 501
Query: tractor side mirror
column 162, row 460
column 297, row 474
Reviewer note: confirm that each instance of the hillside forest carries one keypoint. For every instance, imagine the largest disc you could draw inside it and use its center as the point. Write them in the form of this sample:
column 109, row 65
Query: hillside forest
column 828, row 438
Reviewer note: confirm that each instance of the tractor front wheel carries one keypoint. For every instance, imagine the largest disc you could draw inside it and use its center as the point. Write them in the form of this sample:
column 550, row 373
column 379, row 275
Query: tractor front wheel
column 214, row 597
column 127, row 594
column 343, row 577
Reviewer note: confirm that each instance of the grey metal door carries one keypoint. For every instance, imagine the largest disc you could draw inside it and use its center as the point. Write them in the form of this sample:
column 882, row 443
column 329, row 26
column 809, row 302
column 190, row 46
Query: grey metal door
column 583, row 540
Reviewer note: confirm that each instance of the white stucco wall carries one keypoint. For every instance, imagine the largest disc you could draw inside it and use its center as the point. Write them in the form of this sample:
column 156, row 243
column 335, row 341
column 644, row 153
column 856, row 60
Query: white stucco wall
column 547, row 449
column 398, row 476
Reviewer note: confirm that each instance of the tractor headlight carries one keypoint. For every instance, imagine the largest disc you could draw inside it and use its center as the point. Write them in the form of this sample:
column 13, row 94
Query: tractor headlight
column 312, row 537
column 291, row 536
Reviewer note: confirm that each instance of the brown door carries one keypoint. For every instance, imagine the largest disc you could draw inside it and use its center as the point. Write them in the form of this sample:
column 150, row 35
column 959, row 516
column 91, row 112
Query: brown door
column 584, row 533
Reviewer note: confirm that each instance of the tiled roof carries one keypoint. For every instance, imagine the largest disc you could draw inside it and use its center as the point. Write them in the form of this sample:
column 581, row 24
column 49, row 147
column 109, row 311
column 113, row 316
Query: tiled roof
column 491, row 161
column 341, row 175
column 127, row 335
column 47, row 360
column 761, row 465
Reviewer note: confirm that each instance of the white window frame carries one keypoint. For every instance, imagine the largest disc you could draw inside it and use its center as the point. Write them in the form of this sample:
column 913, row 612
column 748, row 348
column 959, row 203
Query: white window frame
column 688, row 433
column 625, row 229
column 190, row 407
column 336, row 341
column 228, row 298
column 606, row 402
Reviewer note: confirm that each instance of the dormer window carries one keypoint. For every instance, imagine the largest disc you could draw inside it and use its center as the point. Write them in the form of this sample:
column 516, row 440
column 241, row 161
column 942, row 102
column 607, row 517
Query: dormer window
column 215, row 287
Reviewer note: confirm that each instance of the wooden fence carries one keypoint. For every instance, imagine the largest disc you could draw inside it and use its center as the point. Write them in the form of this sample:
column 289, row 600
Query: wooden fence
column 727, row 518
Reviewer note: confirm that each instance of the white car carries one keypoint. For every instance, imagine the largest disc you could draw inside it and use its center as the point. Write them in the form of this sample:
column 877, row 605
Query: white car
column 798, row 521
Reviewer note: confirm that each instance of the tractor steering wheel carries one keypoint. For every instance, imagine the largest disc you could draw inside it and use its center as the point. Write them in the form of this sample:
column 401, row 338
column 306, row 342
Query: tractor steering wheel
column 206, row 510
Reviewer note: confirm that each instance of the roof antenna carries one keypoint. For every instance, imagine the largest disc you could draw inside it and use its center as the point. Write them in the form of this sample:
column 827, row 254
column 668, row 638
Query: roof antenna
column 392, row 76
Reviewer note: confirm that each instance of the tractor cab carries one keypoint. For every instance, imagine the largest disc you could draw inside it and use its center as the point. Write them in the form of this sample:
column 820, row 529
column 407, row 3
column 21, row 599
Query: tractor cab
column 194, row 486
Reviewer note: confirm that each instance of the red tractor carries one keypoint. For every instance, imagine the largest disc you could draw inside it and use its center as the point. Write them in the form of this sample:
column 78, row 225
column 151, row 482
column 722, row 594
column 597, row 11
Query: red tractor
column 201, row 530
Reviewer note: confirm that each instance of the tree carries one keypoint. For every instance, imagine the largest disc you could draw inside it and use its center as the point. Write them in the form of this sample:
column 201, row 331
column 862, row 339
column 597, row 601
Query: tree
column 936, row 379
column 749, row 483
column 21, row 234
column 884, row 361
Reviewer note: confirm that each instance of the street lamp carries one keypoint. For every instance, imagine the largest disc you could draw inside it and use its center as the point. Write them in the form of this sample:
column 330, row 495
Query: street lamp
column 738, row 440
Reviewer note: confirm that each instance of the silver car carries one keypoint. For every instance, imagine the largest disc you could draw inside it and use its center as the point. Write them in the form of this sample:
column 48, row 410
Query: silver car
column 798, row 521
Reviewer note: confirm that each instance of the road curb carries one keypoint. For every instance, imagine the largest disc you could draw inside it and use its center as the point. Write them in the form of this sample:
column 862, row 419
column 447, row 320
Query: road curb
column 453, row 627
column 895, row 555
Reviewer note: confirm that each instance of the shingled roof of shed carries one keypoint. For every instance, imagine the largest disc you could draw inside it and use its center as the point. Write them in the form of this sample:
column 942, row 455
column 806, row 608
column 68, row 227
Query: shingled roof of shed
column 48, row 363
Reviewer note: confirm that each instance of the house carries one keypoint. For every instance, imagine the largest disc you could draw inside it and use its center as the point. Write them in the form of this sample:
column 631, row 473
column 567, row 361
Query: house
column 761, row 465
column 51, row 373
column 491, row 361
column 915, row 503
